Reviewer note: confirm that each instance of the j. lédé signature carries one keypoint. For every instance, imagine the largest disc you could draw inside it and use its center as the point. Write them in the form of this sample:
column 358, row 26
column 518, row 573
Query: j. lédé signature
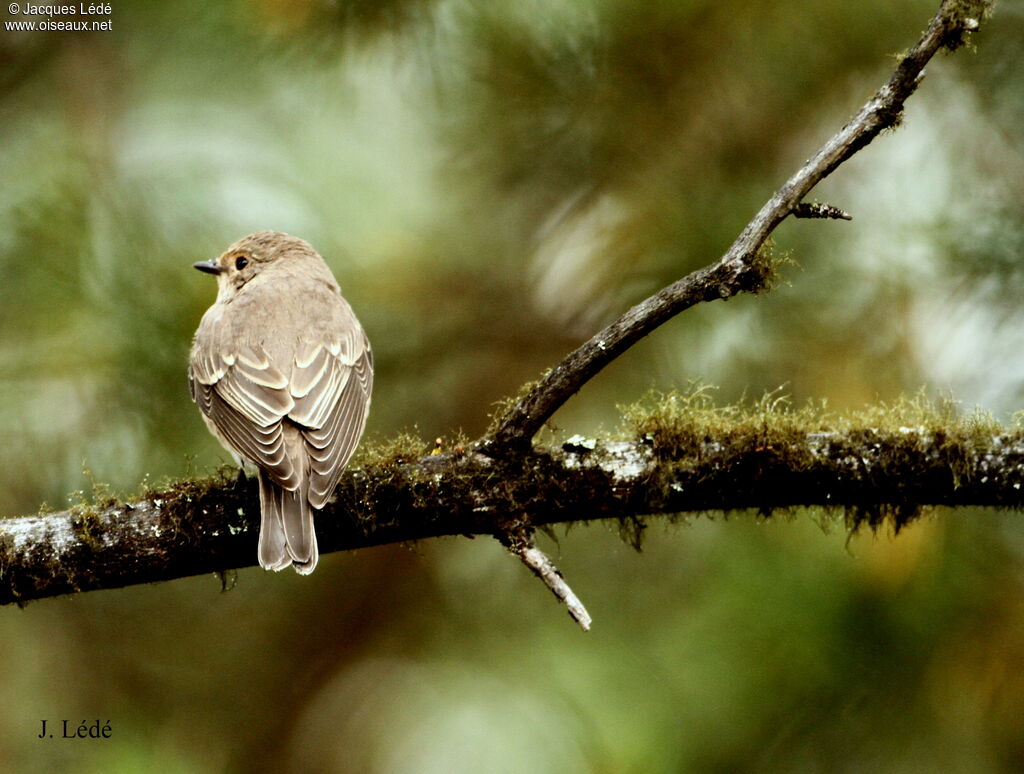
column 83, row 730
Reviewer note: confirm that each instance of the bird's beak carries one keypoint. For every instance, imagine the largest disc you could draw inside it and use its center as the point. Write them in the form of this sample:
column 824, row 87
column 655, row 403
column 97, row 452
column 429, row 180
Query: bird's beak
column 210, row 267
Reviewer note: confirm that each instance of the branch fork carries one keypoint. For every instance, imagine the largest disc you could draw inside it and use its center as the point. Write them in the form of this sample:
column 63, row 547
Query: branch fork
column 737, row 270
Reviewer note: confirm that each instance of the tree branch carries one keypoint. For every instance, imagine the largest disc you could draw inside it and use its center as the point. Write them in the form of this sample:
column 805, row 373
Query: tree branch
column 193, row 528
column 743, row 268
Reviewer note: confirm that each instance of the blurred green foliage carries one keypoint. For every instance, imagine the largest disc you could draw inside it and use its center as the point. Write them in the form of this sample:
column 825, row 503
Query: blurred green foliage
column 491, row 182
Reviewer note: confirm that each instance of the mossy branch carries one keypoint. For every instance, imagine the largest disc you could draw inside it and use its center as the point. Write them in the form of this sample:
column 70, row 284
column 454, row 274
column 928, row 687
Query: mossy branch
column 680, row 454
column 746, row 266
column 701, row 459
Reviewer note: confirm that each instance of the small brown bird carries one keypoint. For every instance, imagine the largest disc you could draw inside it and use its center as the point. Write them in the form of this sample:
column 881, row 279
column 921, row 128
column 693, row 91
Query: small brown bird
column 282, row 372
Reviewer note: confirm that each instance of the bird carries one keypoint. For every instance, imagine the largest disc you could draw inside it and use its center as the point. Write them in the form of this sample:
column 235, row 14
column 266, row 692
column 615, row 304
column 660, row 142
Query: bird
column 282, row 373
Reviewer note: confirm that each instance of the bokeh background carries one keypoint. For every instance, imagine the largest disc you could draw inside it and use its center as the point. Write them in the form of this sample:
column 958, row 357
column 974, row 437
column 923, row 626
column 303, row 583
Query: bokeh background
column 491, row 182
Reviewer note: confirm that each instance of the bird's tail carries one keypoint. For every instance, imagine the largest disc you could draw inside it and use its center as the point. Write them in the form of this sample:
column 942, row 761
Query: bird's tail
column 286, row 528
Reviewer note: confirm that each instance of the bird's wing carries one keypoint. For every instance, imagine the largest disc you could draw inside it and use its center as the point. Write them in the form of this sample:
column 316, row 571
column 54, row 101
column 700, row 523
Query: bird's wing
column 246, row 396
column 331, row 385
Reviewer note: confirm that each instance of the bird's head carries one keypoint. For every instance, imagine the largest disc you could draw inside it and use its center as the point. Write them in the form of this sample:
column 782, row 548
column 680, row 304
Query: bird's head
column 263, row 254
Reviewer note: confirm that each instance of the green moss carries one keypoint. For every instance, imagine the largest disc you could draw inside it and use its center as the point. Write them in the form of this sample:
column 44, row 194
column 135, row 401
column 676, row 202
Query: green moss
column 920, row 436
column 101, row 494
column 386, row 487
column 85, row 506
column 961, row 10
column 631, row 531
column 85, row 515
column 763, row 273
column 381, row 472
column 679, row 421
column 178, row 500
column 375, row 451
column 87, row 525
column 965, row 17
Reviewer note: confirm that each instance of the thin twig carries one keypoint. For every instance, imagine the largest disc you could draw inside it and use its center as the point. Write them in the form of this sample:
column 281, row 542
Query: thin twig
column 519, row 541
column 739, row 269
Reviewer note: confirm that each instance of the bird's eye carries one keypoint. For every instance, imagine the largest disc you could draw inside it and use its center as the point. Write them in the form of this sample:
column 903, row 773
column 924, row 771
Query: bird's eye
column 241, row 262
